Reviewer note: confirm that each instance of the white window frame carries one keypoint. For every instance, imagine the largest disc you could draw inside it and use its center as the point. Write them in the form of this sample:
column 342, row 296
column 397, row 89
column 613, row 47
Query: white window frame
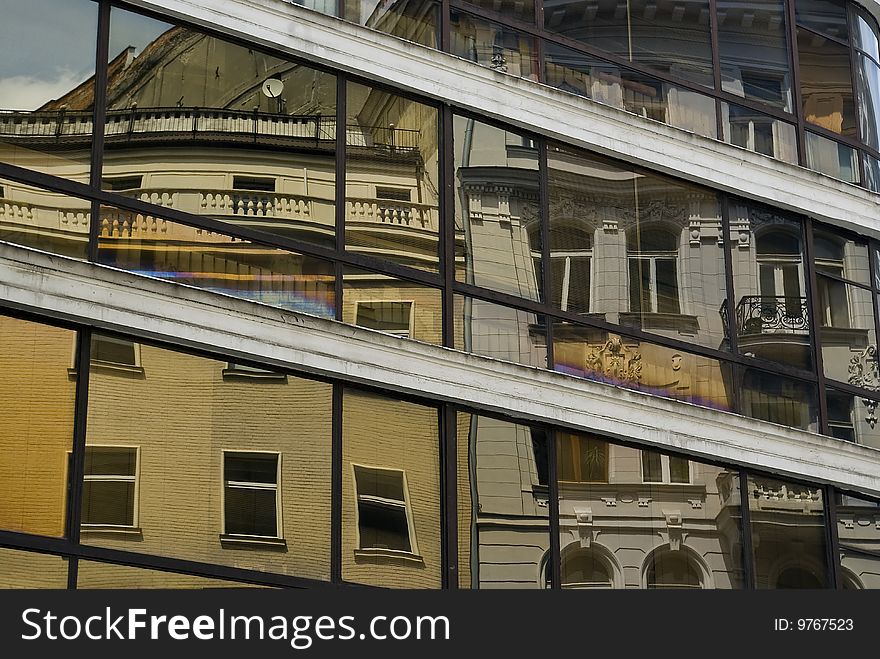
column 652, row 258
column 118, row 478
column 279, row 515
column 665, row 472
column 406, row 504
column 412, row 315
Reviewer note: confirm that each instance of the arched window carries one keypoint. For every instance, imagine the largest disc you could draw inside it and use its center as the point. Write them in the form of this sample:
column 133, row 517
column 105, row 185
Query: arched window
column 672, row 569
column 798, row 577
column 653, row 270
column 586, row 568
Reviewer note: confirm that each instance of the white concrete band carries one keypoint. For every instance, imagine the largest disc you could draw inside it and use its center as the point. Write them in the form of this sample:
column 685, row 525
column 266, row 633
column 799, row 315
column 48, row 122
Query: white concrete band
column 355, row 49
column 111, row 299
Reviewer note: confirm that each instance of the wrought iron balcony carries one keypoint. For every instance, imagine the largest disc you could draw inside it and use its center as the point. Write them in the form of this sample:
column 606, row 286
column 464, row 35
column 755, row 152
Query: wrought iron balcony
column 769, row 314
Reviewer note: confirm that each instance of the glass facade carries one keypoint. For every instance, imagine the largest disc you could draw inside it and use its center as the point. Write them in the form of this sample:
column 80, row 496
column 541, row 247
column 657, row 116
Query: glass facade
column 227, row 168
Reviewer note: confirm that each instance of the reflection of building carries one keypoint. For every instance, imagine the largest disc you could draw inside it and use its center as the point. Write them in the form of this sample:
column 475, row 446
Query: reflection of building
column 646, row 324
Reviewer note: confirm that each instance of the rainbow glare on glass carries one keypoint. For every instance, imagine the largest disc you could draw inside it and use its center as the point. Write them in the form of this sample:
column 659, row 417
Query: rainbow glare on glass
column 311, row 294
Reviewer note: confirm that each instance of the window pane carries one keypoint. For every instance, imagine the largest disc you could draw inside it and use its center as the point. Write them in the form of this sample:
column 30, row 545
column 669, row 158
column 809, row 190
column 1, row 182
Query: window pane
column 866, row 33
column 379, row 483
column 753, row 47
column 520, row 10
column 250, row 512
column 391, row 145
column 108, row 502
column 503, row 527
column 788, row 534
column 110, row 350
column 626, row 532
column 24, row 569
column 44, row 220
column 101, row 460
column 825, row 16
column 392, row 436
column 391, row 305
column 779, row 399
column 832, row 158
column 853, row 418
column 872, row 173
column 665, row 36
column 149, row 245
column 47, row 67
column 869, row 102
column 679, row 469
column 93, row 575
column 497, row 202
column 196, row 431
column 382, row 527
column 225, row 115
column 856, row 528
column 652, row 471
column 492, row 45
column 826, row 83
column 492, row 330
column 585, row 75
column 582, row 458
column 759, row 132
column 37, row 406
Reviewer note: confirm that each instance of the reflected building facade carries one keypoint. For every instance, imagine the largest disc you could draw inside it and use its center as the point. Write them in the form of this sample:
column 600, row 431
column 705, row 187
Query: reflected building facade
column 251, row 176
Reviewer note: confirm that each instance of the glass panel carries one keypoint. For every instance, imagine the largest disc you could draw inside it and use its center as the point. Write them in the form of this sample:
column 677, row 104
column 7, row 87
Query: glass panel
column 492, row 45
column 384, row 434
column 393, row 306
column 189, row 423
column 47, row 67
column 24, row 569
column 826, row 83
column 856, row 532
column 853, row 418
column 149, row 245
column 44, row 220
column 832, row 158
column 391, row 178
column 493, row 330
column 92, row 575
column 753, row 47
column 869, row 101
column 654, row 243
column 846, row 331
column 246, row 137
column 652, row 467
column 497, row 209
column 836, row 254
column 414, row 20
column 578, row 73
column 825, row 16
column 624, row 362
column 672, row 37
column 779, row 399
column 872, row 173
column 520, row 10
column 504, row 533
column 108, row 502
column 37, row 407
column 772, row 315
column 788, row 534
column 759, row 132
column 102, row 460
column 866, row 33
column 618, row 531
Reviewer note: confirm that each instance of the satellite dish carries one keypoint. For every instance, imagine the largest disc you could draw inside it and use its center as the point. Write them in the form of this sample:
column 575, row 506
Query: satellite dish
column 273, row 87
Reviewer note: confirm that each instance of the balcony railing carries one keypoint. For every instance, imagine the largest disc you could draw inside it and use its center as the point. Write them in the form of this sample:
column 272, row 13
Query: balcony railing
column 190, row 123
column 768, row 314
